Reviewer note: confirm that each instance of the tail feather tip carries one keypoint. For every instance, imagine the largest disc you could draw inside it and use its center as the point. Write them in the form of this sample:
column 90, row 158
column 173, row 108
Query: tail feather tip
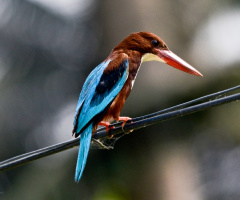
column 85, row 141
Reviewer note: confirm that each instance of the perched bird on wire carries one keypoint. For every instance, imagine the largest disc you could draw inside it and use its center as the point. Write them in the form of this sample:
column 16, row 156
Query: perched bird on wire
column 107, row 87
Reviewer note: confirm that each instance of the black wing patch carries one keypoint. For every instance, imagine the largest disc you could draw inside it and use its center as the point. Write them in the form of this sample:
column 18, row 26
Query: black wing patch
column 108, row 81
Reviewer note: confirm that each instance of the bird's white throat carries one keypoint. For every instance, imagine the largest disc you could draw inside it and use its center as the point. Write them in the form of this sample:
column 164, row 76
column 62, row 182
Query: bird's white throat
column 147, row 57
column 151, row 57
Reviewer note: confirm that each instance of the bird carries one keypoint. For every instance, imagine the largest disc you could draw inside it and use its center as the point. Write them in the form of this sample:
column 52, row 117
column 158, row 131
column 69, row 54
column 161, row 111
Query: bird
column 108, row 86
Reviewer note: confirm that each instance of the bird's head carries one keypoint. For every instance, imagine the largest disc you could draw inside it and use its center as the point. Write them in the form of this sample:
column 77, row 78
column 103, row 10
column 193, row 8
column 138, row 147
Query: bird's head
column 151, row 47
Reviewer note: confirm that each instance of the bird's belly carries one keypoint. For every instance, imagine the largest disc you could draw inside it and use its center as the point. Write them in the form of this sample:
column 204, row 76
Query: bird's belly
column 113, row 112
column 115, row 109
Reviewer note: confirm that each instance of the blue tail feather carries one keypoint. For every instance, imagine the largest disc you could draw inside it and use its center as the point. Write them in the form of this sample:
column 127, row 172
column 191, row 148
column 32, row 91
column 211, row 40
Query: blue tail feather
column 85, row 141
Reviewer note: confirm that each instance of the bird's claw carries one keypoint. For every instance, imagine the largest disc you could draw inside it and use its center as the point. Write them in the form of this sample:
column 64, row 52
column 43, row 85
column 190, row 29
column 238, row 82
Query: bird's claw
column 108, row 127
column 125, row 120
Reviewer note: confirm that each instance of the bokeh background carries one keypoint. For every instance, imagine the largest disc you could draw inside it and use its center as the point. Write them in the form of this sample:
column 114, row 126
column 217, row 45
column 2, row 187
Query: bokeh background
column 47, row 49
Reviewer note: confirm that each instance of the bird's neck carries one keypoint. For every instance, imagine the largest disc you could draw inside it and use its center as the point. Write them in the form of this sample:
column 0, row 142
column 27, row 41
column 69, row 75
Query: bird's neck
column 134, row 64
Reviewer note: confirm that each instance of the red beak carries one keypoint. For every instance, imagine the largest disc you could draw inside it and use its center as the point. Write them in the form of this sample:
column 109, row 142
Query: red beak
column 173, row 60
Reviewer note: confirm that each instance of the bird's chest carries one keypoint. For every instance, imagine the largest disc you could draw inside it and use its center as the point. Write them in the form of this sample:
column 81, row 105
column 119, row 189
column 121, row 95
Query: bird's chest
column 127, row 88
column 134, row 76
column 133, row 71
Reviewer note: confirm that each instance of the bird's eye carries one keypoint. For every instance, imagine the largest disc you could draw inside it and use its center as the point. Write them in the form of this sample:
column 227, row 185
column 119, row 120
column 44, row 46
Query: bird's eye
column 155, row 43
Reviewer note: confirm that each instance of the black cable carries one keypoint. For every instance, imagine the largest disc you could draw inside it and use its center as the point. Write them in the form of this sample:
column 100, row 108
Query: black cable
column 137, row 123
column 192, row 102
column 166, row 116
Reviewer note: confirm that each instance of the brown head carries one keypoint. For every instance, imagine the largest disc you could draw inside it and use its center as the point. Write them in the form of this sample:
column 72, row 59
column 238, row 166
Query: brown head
column 151, row 47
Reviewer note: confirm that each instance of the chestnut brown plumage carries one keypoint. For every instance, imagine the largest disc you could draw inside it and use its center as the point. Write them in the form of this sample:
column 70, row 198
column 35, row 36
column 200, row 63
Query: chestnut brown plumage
column 107, row 87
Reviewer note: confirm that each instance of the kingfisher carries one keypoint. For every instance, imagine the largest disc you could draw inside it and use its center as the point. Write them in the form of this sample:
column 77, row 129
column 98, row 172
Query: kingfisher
column 107, row 87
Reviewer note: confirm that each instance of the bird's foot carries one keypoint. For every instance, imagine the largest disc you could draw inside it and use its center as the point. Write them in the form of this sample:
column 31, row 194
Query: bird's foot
column 125, row 119
column 108, row 127
column 101, row 145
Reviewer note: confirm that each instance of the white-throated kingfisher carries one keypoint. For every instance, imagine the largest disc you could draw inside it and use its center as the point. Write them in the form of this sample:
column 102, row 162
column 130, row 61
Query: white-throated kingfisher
column 107, row 87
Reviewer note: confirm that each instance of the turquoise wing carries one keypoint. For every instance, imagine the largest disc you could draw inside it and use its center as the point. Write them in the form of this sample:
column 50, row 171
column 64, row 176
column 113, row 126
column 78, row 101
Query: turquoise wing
column 91, row 78
column 99, row 91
